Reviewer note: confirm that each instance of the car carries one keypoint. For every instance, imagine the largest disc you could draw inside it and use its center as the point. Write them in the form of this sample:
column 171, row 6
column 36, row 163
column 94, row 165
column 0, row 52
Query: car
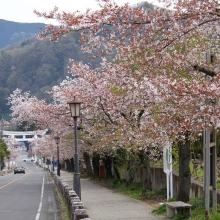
column 28, row 159
column 19, row 170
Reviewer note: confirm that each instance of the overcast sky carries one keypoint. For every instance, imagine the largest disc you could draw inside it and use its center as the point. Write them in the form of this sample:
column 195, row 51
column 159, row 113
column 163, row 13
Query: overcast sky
column 22, row 10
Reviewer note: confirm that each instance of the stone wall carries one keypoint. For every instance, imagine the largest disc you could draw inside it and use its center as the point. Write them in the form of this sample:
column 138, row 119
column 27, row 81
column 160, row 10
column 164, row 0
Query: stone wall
column 75, row 206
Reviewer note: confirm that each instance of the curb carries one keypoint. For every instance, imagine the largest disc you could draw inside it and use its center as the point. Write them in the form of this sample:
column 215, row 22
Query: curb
column 75, row 206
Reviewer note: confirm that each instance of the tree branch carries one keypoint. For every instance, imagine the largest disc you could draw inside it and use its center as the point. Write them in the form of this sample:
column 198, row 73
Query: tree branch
column 203, row 70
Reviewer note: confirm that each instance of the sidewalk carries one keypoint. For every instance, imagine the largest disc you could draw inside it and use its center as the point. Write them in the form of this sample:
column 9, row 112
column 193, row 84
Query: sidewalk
column 104, row 204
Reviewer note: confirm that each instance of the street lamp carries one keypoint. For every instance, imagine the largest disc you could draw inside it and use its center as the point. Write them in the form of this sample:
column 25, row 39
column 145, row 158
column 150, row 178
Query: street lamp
column 75, row 112
column 57, row 139
column 53, row 163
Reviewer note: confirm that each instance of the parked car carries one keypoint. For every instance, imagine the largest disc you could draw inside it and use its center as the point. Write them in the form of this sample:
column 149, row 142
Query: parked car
column 28, row 159
column 19, row 170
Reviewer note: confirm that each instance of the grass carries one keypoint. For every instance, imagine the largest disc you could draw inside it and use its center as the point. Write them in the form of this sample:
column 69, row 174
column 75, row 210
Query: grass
column 64, row 212
column 161, row 210
column 198, row 211
column 133, row 190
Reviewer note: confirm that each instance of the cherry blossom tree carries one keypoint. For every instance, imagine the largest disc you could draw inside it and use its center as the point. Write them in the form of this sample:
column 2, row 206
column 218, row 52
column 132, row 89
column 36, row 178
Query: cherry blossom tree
column 150, row 43
column 159, row 86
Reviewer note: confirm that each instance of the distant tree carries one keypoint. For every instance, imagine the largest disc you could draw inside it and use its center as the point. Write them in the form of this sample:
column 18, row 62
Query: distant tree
column 12, row 80
column 4, row 152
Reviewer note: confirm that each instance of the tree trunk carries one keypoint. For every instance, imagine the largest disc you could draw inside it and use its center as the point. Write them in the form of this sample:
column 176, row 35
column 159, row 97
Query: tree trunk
column 184, row 172
column 95, row 164
column 131, row 171
column 107, row 164
column 69, row 165
column 87, row 160
column 147, row 184
column 117, row 175
column 72, row 164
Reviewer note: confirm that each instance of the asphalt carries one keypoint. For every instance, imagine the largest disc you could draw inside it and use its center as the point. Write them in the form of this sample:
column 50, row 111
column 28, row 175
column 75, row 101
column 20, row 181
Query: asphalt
column 102, row 203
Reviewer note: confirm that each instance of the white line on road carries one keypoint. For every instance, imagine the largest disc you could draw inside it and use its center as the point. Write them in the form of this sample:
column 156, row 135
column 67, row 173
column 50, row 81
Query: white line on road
column 41, row 200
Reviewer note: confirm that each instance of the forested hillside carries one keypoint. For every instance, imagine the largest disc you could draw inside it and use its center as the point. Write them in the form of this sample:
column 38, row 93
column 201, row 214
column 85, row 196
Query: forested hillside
column 36, row 66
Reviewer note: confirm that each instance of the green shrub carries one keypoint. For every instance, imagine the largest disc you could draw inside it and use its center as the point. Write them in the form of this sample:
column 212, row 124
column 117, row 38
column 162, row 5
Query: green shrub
column 116, row 183
column 181, row 216
column 161, row 210
column 162, row 192
column 197, row 203
column 171, row 199
column 198, row 210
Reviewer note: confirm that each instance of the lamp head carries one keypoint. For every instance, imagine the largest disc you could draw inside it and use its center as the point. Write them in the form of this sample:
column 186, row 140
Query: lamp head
column 75, row 107
column 57, row 139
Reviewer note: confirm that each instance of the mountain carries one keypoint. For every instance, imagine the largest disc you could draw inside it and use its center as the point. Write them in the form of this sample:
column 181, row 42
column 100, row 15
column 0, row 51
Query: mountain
column 36, row 66
column 12, row 32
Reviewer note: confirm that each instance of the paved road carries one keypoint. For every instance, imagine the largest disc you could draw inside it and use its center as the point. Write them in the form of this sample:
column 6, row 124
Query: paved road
column 104, row 204
column 28, row 196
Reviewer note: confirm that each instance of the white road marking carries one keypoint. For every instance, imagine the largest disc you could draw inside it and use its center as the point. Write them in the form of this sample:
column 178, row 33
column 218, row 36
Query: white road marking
column 41, row 200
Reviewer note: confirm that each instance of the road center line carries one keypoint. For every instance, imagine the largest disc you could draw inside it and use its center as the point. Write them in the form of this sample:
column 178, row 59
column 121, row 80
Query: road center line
column 41, row 201
column 13, row 181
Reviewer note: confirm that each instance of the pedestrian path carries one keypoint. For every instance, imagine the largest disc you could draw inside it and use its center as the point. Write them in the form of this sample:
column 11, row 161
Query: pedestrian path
column 104, row 204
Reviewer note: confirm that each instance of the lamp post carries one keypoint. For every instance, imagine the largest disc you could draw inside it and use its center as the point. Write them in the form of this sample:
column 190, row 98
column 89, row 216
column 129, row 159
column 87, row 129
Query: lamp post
column 57, row 139
column 75, row 113
column 53, row 162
